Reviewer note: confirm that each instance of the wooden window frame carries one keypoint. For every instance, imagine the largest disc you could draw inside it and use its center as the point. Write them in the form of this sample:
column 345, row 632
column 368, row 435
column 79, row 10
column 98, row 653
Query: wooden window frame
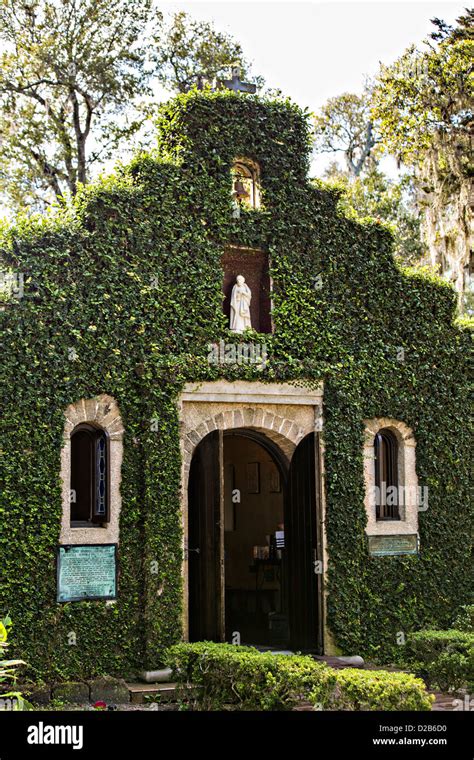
column 386, row 472
column 95, row 519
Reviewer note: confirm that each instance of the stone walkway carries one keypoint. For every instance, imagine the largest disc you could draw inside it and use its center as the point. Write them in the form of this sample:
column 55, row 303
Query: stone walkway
column 443, row 702
column 446, row 701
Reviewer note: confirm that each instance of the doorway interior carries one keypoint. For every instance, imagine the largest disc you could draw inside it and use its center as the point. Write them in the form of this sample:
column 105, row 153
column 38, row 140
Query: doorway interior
column 253, row 539
column 256, row 598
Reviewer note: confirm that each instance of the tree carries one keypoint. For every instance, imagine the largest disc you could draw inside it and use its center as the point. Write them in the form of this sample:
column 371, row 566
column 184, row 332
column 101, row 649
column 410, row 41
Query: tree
column 423, row 107
column 76, row 85
column 69, row 70
column 392, row 201
column 345, row 125
column 189, row 50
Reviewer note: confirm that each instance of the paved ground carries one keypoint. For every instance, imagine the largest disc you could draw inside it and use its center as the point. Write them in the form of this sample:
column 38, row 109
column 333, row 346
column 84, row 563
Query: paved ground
column 125, row 707
column 443, row 702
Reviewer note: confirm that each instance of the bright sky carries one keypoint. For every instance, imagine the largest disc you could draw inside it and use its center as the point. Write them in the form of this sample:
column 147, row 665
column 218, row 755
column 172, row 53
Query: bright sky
column 316, row 50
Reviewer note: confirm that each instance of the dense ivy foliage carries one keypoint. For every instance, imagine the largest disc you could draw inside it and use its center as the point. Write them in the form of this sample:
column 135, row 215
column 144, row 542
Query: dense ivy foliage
column 130, row 279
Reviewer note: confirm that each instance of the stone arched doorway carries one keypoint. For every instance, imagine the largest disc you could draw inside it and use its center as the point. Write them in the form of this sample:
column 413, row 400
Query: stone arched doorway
column 253, row 538
column 285, row 415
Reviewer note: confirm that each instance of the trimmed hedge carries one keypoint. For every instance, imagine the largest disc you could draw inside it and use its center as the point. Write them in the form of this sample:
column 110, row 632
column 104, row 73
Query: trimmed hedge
column 247, row 679
column 377, row 690
column 445, row 659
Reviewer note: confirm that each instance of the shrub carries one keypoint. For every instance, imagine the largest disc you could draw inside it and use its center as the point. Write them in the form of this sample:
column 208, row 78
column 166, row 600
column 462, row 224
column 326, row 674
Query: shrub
column 445, row 659
column 464, row 620
column 8, row 671
column 377, row 690
column 246, row 678
column 250, row 680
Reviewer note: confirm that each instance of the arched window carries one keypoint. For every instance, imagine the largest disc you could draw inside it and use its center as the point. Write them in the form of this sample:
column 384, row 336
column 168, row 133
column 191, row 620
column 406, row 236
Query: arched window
column 89, row 476
column 246, row 182
column 386, row 475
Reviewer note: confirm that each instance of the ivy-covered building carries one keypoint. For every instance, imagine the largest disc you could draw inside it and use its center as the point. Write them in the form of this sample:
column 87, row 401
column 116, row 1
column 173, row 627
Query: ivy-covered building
column 299, row 480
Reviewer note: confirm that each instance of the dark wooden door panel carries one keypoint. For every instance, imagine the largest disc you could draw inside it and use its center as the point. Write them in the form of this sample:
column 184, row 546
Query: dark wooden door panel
column 303, row 547
column 205, row 542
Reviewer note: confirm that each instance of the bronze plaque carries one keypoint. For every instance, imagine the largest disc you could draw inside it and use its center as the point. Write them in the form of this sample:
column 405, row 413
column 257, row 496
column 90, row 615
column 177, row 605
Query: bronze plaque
column 87, row 572
column 391, row 546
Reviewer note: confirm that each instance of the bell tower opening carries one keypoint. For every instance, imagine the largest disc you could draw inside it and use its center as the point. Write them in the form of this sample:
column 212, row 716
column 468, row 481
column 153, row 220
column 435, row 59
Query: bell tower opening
column 246, row 183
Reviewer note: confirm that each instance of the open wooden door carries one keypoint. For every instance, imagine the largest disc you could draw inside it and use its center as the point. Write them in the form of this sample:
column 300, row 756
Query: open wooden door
column 303, row 547
column 206, row 541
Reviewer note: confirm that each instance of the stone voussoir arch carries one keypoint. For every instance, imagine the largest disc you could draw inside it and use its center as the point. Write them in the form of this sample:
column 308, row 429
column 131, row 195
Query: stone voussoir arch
column 101, row 410
column 283, row 431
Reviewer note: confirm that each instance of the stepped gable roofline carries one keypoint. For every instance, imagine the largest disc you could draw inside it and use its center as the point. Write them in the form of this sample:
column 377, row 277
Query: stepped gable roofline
column 213, row 123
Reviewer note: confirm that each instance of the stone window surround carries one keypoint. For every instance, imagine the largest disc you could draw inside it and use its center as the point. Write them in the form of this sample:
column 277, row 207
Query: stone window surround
column 101, row 411
column 407, row 477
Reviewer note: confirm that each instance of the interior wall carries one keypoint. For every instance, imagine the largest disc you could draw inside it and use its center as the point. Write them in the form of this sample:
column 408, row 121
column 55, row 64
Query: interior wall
column 257, row 515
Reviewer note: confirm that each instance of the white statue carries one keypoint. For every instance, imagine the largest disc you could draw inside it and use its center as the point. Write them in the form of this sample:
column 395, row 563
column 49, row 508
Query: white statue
column 240, row 306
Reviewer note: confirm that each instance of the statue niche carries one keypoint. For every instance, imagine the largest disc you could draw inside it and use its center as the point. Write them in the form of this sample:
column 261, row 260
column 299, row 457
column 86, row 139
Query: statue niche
column 246, row 286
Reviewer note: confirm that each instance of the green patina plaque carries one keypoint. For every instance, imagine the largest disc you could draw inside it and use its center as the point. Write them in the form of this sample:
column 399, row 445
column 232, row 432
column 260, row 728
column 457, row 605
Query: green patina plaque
column 389, row 546
column 87, row 572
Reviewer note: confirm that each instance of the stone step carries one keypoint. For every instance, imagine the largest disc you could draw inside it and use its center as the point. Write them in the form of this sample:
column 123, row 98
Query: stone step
column 166, row 692
column 340, row 662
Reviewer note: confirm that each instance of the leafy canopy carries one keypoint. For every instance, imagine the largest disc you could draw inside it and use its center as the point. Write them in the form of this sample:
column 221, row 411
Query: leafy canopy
column 427, row 94
column 345, row 125
column 188, row 50
column 392, row 201
column 76, row 85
